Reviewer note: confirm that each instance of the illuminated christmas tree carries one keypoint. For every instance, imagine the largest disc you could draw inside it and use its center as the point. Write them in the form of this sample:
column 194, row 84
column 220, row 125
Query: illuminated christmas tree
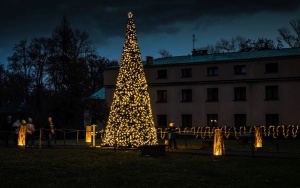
column 130, row 122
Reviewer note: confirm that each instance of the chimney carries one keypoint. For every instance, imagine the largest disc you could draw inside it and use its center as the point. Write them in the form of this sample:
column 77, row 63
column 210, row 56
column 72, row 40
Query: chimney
column 199, row 52
column 149, row 59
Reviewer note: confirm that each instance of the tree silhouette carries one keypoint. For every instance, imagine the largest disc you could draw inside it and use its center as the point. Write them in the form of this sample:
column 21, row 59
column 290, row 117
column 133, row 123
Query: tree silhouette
column 291, row 37
column 164, row 53
column 130, row 122
column 54, row 75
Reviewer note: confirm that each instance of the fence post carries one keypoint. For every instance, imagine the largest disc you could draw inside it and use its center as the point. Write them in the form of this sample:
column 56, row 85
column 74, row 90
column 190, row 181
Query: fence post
column 40, row 139
column 77, row 136
column 185, row 140
column 94, row 134
column 253, row 141
column 64, row 137
column 54, row 138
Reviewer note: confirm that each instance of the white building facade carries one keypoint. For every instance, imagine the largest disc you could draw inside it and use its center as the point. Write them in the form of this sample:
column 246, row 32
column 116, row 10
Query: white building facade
column 229, row 89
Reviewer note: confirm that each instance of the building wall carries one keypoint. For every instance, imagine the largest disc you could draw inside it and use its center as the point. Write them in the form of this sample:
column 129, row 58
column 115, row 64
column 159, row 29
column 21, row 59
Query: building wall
column 287, row 79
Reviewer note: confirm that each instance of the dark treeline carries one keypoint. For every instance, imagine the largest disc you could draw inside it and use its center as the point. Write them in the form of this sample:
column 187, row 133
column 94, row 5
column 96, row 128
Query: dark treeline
column 53, row 76
column 287, row 37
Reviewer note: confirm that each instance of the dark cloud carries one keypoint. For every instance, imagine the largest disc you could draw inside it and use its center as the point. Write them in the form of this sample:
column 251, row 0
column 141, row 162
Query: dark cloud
column 104, row 19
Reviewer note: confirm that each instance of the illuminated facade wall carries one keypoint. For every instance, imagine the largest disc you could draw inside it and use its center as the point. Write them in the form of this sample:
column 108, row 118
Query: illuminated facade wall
column 266, row 93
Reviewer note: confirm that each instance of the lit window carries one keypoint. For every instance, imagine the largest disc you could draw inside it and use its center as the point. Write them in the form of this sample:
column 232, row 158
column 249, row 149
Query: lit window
column 212, row 120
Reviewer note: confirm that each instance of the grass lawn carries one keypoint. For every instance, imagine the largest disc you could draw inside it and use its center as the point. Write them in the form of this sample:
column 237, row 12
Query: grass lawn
column 94, row 167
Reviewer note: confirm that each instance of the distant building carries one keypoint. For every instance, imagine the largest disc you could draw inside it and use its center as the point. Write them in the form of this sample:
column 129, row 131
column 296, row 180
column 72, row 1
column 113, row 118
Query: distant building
column 241, row 88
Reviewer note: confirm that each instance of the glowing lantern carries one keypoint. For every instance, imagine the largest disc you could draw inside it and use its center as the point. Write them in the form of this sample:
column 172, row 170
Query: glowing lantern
column 22, row 135
column 258, row 138
column 88, row 134
column 218, row 143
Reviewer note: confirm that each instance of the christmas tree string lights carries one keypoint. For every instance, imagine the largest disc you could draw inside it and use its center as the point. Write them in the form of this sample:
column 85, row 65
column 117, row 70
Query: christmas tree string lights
column 130, row 122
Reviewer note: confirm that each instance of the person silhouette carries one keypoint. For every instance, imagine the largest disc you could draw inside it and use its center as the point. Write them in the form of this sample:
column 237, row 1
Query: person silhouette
column 172, row 136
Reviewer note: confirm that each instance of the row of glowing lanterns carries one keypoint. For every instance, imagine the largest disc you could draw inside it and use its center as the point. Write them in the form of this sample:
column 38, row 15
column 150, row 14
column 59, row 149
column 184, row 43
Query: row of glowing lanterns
column 218, row 147
column 89, row 137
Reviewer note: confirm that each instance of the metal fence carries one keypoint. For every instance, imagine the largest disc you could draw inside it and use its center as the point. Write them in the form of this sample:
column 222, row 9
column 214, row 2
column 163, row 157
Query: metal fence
column 187, row 138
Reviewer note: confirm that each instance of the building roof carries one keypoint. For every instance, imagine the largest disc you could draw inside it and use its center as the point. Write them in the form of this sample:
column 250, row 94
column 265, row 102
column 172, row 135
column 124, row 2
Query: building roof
column 209, row 58
column 100, row 94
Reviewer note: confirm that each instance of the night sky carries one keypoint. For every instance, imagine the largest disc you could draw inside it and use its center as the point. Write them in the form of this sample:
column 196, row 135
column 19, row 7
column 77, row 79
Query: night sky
column 160, row 24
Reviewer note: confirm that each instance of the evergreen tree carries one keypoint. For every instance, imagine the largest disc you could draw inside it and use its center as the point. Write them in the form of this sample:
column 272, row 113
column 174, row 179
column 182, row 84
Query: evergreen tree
column 130, row 122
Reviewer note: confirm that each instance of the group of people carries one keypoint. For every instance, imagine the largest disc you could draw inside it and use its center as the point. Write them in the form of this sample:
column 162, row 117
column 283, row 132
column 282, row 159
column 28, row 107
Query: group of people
column 8, row 127
column 13, row 128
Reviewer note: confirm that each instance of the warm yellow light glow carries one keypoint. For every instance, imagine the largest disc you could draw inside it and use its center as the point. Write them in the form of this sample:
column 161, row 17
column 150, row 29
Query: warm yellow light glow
column 130, row 121
column 258, row 138
column 22, row 135
column 218, row 143
column 88, row 133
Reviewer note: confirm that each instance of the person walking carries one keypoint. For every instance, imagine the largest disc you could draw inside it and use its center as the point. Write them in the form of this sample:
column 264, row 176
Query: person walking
column 49, row 131
column 30, row 133
column 172, row 136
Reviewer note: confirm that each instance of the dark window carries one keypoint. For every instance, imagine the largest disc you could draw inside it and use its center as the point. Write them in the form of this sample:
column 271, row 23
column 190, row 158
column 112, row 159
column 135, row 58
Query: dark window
column 240, row 69
column 187, row 120
column 239, row 120
column 212, row 71
column 186, row 73
column 186, row 95
column 212, row 120
column 271, row 92
column 162, row 74
column 162, row 121
column 212, row 94
column 162, row 96
column 271, row 67
column 240, row 93
column 272, row 119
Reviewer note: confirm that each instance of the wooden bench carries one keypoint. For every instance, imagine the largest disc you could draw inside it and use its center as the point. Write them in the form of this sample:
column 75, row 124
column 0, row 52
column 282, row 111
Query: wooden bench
column 153, row 150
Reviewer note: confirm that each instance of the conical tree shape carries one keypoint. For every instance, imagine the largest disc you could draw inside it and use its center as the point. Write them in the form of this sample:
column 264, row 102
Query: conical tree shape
column 130, row 122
